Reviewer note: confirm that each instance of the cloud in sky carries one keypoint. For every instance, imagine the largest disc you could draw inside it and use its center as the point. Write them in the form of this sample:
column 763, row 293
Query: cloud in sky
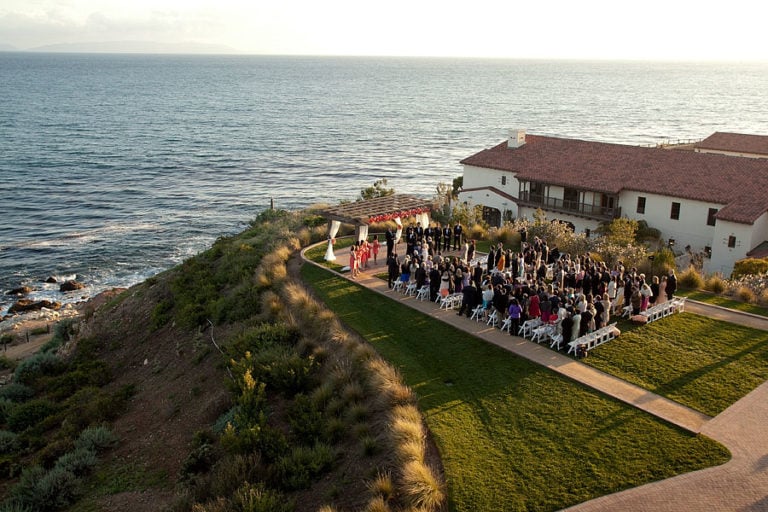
column 654, row 29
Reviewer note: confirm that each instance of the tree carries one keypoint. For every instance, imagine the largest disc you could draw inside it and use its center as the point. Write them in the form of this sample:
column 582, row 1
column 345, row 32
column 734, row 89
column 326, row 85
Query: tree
column 379, row 189
column 621, row 231
column 458, row 183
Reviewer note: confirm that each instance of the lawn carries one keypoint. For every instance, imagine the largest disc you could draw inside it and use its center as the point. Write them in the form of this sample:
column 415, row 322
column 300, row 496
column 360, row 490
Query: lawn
column 720, row 300
column 513, row 435
column 697, row 361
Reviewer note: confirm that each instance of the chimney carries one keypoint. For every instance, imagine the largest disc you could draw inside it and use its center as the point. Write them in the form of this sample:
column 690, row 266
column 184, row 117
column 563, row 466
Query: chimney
column 516, row 138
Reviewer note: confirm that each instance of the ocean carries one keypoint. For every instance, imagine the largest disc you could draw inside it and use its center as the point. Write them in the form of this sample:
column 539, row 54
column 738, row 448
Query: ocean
column 116, row 167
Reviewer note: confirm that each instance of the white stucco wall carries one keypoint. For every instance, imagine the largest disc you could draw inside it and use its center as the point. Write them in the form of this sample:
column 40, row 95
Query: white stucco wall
column 475, row 177
column 690, row 229
column 723, row 257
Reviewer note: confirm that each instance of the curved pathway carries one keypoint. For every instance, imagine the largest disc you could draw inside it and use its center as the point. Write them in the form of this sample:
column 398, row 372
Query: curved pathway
column 741, row 484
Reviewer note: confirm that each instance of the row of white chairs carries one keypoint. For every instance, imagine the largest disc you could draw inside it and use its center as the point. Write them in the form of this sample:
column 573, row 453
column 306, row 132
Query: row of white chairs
column 676, row 305
column 594, row 339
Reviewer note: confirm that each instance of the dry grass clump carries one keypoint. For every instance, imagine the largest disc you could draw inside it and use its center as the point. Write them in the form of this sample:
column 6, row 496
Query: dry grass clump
column 715, row 284
column 406, row 426
column 691, row 279
column 382, row 486
column 746, row 294
column 352, row 392
column 377, row 504
column 326, row 508
column 421, row 487
column 271, row 303
column 764, row 296
column 388, row 384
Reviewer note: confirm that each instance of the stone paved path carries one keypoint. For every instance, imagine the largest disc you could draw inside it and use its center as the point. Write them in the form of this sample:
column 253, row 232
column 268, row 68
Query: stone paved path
column 740, row 485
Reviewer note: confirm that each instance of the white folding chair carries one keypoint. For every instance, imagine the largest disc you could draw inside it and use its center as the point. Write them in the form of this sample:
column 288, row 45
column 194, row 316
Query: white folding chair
column 493, row 318
column 423, row 293
column 477, row 313
column 506, row 324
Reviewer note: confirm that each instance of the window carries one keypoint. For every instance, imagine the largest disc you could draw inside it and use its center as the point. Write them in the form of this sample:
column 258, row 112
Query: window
column 731, row 241
column 503, row 180
column 675, row 211
column 711, row 216
column 640, row 204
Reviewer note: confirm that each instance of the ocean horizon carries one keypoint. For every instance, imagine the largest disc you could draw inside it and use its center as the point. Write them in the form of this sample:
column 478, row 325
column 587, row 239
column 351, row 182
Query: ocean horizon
column 115, row 167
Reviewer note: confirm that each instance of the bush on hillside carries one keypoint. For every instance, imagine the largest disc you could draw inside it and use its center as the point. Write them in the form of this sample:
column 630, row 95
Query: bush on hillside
column 9, row 442
column 96, row 439
column 40, row 364
column 29, row 414
column 16, row 392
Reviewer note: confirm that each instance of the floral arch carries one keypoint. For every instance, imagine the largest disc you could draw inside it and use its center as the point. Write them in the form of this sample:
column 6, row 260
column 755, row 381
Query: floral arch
column 379, row 209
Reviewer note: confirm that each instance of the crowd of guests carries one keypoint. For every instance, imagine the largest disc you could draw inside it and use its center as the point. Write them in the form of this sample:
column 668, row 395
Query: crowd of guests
column 577, row 294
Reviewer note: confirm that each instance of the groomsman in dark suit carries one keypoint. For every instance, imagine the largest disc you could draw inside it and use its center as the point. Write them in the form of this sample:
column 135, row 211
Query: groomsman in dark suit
column 457, row 236
column 446, row 238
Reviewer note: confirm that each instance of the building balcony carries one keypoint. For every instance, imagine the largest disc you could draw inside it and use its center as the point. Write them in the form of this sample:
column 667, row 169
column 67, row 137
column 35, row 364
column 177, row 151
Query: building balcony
column 557, row 205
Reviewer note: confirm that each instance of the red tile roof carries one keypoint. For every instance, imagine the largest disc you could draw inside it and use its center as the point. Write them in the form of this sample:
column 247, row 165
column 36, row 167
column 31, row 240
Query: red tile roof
column 735, row 142
column 741, row 184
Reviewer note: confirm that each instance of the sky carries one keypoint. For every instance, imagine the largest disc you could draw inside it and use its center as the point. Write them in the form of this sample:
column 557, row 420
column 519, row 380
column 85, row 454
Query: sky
column 700, row 30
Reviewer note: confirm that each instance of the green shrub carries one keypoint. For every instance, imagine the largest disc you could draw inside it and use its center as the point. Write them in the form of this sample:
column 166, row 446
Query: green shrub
column 96, row 439
column 749, row 266
column 79, row 462
column 307, row 422
column 62, row 333
column 40, row 364
column 56, row 489
column 29, row 414
column 90, row 373
column 284, row 370
column 302, row 465
column 6, row 363
column 227, row 418
column 6, row 407
column 16, row 392
column 255, row 498
column 9, row 442
column 199, row 460
column 690, row 279
column 263, row 337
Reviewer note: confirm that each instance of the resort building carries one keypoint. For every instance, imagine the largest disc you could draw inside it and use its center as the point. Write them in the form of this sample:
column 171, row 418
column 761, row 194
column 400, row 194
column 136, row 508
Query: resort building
column 703, row 198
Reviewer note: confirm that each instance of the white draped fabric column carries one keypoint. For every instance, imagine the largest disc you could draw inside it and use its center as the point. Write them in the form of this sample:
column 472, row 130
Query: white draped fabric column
column 333, row 229
column 362, row 233
column 399, row 232
column 423, row 219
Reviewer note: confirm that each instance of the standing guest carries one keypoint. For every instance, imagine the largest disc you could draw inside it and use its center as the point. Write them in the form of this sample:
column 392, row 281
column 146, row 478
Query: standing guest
column 566, row 328
column 468, row 299
column 635, row 300
column 491, row 261
column 390, row 240
column 671, row 287
column 375, row 248
column 514, row 313
column 645, row 291
column 363, row 252
column 421, row 276
column 447, row 238
column 434, row 282
column 437, row 236
column 353, row 261
column 662, row 290
column 533, row 307
column 471, row 251
column 654, row 290
column 393, row 269
column 457, row 229
column 576, row 328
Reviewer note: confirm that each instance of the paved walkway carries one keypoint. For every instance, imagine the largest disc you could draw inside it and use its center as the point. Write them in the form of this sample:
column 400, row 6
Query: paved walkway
column 741, row 484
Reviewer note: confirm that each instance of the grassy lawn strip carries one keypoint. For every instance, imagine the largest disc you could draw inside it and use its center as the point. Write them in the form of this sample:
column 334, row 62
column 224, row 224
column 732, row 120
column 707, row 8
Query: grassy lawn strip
column 513, row 435
column 719, row 300
column 697, row 361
